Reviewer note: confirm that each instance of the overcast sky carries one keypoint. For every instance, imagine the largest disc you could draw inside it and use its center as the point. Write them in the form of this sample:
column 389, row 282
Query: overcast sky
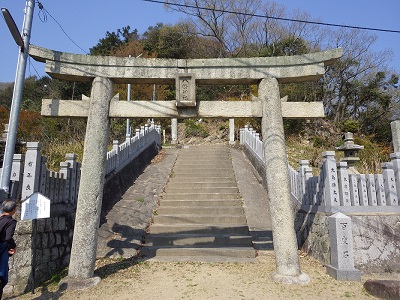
column 88, row 21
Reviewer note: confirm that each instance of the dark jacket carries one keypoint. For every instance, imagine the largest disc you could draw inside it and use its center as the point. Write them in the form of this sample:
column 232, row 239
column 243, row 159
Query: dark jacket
column 7, row 228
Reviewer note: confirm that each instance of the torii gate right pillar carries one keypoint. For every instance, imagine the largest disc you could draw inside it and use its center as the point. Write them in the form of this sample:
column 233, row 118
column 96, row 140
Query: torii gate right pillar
column 282, row 214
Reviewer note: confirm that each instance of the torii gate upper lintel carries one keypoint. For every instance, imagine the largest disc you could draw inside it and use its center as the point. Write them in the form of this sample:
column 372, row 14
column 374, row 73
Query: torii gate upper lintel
column 167, row 71
column 267, row 72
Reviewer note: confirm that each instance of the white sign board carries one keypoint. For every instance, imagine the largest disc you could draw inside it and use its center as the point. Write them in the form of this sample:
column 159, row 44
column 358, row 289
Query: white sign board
column 36, row 206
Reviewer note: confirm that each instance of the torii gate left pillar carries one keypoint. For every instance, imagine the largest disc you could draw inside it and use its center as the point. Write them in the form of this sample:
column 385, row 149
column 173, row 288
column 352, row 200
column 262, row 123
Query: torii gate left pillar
column 83, row 252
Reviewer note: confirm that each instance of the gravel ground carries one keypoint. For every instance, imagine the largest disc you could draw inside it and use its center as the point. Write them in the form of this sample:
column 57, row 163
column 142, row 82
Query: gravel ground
column 129, row 279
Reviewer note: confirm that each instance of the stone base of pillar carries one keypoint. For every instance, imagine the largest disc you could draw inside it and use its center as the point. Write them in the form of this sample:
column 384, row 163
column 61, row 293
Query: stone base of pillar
column 287, row 279
column 69, row 283
column 345, row 275
column 174, row 142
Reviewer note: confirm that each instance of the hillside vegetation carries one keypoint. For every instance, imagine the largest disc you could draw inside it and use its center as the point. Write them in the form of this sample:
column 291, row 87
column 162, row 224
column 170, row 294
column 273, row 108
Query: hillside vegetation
column 359, row 91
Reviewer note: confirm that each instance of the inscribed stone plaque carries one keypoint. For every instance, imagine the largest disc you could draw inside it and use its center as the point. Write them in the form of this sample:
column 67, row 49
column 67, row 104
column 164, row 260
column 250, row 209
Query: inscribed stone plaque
column 185, row 90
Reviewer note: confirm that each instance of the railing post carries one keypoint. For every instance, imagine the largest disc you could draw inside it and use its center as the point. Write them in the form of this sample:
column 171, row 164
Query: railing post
column 115, row 148
column 344, row 183
column 362, row 189
column 303, row 173
column 43, row 186
column 16, row 175
column 146, row 134
column 354, row 195
column 395, row 159
column 141, row 140
column 331, row 191
column 70, row 159
column 66, row 174
column 380, row 188
column 389, row 182
column 241, row 136
column 371, row 188
column 31, row 169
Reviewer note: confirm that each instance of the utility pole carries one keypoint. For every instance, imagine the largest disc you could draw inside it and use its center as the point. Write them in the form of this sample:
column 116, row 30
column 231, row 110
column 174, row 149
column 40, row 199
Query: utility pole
column 17, row 97
column 128, row 98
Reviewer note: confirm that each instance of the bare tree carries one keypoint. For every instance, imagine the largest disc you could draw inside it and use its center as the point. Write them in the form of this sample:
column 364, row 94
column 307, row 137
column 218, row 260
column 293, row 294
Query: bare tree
column 213, row 19
column 358, row 64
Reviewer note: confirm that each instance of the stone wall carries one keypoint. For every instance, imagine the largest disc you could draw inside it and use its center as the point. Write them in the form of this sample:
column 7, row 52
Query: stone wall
column 53, row 248
column 54, row 235
column 117, row 184
column 312, row 231
column 376, row 239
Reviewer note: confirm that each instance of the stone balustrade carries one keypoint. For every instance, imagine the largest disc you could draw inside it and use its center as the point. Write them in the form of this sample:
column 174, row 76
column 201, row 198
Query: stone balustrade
column 122, row 154
column 371, row 200
column 335, row 189
column 54, row 235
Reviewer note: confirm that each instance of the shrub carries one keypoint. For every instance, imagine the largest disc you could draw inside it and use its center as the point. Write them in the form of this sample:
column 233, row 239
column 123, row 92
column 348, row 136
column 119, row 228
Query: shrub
column 195, row 129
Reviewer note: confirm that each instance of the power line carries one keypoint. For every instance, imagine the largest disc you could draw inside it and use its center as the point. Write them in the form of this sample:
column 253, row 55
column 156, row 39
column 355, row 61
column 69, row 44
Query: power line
column 43, row 17
column 31, row 65
column 274, row 18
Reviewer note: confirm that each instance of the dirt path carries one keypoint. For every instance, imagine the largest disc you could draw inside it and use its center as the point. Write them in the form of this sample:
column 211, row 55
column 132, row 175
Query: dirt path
column 125, row 279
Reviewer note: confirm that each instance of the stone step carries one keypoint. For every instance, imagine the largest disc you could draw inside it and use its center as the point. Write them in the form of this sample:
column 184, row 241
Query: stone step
column 199, row 254
column 203, row 168
column 203, row 152
column 235, row 229
column 204, row 161
column 171, row 210
column 198, row 240
column 201, row 190
column 194, row 179
column 203, row 172
column 200, row 203
column 200, row 219
column 201, row 177
column 194, row 196
column 203, row 185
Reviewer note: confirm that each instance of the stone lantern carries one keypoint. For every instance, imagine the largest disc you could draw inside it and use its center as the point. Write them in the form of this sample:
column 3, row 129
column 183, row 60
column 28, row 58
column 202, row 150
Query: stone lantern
column 350, row 149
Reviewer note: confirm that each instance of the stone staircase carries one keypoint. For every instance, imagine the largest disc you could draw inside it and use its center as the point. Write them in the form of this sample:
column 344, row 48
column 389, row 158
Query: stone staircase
column 201, row 216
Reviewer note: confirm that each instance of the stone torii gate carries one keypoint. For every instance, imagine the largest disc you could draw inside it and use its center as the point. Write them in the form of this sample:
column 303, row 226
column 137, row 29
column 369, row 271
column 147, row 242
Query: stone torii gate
column 103, row 72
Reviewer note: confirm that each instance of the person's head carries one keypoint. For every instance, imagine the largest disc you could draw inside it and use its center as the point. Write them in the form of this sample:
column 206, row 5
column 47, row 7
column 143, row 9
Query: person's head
column 9, row 206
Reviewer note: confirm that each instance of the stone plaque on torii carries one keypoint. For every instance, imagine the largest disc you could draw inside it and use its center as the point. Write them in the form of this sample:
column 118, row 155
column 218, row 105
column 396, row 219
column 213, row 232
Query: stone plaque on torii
column 103, row 72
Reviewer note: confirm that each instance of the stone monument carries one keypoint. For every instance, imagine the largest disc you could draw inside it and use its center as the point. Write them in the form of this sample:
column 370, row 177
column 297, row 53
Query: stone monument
column 342, row 259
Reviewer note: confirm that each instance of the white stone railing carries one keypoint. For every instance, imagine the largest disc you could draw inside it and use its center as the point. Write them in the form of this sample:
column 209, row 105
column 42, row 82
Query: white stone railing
column 29, row 173
column 122, row 154
column 250, row 138
column 334, row 189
